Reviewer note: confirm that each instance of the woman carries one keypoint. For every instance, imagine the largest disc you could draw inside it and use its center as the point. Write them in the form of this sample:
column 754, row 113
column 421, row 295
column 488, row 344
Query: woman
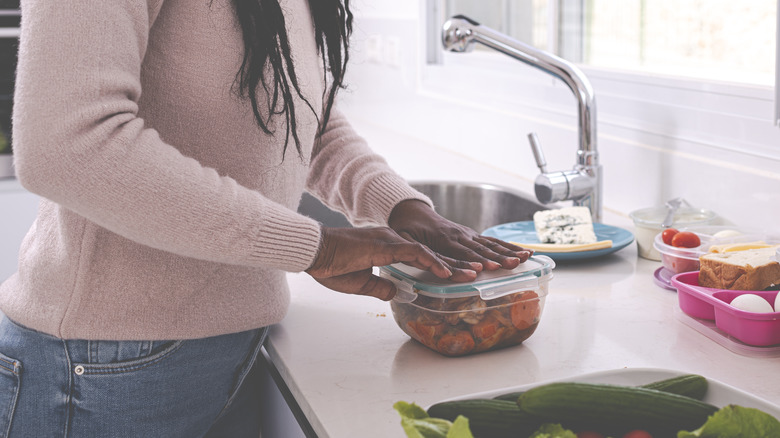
column 170, row 142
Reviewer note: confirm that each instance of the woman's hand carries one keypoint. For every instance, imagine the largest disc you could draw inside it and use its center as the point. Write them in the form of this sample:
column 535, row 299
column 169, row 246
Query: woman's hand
column 347, row 255
column 417, row 221
column 418, row 237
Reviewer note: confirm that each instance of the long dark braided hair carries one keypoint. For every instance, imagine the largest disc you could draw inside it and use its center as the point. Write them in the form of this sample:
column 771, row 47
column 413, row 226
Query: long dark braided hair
column 265, row 41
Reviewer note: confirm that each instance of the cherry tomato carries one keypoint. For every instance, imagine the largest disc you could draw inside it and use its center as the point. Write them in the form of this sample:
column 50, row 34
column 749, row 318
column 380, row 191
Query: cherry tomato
column 667, row 235
column 638, row 434
column 589, row 434
column 686, row 239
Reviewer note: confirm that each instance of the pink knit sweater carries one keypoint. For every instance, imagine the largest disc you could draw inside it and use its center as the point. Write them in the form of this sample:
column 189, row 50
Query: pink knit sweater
column 166, row 212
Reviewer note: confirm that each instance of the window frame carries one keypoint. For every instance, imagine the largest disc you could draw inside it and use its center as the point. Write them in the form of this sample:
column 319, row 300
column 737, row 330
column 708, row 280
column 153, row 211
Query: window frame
column 733, row 117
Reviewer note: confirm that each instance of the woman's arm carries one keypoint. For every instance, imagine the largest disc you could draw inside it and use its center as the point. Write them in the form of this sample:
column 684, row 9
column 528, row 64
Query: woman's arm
column 349, row 177
column 80, row 142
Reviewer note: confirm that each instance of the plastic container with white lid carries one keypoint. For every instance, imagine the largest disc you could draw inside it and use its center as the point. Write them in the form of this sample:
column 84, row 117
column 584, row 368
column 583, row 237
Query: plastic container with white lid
column 647, row 224
column 499, row 309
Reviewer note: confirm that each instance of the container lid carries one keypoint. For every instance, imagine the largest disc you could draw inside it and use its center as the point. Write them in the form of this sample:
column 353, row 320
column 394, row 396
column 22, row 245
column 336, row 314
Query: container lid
column 709, row 238
column 684, row 216
column 489, row 285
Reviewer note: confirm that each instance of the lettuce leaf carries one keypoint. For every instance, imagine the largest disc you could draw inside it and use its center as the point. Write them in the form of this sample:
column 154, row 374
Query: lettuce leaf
column 734, row 421
column 553, row 430
column 460, row 428
column 418, row 424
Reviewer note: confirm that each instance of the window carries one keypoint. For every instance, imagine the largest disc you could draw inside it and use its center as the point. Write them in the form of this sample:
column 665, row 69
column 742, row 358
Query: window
column 707, row 67
column 711, row 39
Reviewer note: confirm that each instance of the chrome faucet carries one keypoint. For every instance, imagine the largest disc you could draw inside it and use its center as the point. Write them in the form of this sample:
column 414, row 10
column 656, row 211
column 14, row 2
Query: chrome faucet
column 582, row 184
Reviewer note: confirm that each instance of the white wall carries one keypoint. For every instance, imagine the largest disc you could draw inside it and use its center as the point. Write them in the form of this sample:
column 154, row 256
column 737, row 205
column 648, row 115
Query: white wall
column 643, row 165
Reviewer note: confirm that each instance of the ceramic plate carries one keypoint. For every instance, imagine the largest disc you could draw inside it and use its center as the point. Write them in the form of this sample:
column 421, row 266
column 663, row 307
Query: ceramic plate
column 718, row 394
column 525, row 232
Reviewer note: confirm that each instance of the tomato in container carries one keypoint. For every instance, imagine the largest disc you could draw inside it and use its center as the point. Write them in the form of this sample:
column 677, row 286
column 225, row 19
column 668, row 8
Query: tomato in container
column 499, row 309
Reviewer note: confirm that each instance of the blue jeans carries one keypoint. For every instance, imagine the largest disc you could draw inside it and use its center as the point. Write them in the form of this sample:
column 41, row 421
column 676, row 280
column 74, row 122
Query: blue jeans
column 50, row 387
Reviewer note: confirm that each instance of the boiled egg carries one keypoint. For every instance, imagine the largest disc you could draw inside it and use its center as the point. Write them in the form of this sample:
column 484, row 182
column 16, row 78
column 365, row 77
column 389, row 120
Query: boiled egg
column 726, row 233
column 752, row 303
column 777, row 302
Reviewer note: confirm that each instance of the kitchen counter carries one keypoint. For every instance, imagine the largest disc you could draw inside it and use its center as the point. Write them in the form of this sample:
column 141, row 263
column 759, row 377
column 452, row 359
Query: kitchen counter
column 345, row 361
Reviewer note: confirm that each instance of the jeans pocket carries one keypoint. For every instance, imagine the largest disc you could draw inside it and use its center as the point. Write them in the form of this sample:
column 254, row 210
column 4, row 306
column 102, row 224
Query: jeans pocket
column 113, row 357
column 10, row 375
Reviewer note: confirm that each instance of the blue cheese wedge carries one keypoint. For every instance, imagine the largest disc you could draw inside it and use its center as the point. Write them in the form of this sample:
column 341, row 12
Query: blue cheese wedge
column 568, row 225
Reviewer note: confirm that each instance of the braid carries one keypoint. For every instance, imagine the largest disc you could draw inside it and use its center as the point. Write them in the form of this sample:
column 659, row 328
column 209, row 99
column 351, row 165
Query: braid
column 266, row 42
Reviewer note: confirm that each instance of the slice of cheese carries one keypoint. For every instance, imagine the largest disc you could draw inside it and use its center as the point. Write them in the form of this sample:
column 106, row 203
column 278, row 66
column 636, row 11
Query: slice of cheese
column 566, row 247
column 568, row 225
column 731, row 247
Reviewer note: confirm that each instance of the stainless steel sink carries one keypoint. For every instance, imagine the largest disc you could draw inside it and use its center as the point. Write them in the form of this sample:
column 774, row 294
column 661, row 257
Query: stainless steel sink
column 479, row 206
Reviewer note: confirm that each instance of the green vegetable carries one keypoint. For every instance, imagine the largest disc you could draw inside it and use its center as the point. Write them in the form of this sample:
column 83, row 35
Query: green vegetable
column 488, row 418
column 583, row 404
column 736, row 422
column 418, row 424
column 460, row 428
column 691, row 385
column 553, row 430
column 510, row 396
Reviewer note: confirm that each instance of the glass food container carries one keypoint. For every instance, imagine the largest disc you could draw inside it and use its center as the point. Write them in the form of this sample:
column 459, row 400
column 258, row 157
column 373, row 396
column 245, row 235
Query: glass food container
column 499, row 309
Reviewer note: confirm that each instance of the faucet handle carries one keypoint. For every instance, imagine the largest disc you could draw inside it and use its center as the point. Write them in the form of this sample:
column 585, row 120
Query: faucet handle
column 536, row 148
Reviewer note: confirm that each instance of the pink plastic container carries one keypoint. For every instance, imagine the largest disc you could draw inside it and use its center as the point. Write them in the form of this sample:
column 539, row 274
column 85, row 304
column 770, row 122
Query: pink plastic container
column 758, row 329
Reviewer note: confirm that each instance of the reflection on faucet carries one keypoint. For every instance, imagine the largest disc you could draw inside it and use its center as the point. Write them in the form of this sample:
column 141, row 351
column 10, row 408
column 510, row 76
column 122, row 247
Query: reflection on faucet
column 582, row 184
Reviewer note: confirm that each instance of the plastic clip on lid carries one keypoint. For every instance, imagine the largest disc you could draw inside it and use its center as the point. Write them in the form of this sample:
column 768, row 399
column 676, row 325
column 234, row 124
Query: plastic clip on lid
column 500, row 288
column 404, row 292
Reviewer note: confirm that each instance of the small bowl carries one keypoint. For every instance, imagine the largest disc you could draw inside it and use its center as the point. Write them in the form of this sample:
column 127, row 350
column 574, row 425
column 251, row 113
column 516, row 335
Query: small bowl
column 647, row 223
column 678, row 260
column 500, row 309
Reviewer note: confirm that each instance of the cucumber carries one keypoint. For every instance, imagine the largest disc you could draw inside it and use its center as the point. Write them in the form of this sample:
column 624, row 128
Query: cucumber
column 510, row 396
column 620, row 407
column 691, row 385
column 488, row 418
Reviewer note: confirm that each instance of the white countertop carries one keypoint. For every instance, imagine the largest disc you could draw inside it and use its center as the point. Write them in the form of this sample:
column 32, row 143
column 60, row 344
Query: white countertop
column 346, row 361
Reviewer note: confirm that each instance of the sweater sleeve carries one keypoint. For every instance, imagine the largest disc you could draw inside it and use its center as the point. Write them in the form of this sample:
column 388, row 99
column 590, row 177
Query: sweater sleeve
column 80, row 142
column 350, row 178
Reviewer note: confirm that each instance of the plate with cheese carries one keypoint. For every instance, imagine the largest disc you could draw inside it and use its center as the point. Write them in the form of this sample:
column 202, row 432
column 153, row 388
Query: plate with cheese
column 564, row 234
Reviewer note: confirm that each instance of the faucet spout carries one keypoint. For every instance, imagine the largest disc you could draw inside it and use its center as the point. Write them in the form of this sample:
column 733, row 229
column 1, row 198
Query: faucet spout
column 459, row 35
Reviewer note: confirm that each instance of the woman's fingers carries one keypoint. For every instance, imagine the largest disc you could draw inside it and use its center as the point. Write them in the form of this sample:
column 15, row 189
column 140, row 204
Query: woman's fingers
column 508, row 249
column 481, row 251
column 418, row 222
column 462, row 271
column 345, row 250
column 347, row 255
column 362, row 282
column 498, row 252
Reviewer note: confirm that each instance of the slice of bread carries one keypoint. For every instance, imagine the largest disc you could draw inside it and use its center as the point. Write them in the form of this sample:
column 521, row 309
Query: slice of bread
column 752, row 269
